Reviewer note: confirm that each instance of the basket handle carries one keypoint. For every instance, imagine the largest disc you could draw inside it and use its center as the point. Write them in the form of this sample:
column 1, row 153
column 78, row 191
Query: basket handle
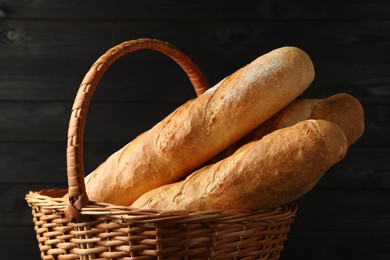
column 74, row 153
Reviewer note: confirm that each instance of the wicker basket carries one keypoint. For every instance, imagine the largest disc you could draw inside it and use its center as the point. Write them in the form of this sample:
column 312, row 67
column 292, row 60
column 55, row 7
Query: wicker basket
column 77, row 228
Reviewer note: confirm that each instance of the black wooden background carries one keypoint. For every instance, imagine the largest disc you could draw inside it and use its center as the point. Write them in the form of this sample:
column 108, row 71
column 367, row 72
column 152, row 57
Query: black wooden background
column 47, row 46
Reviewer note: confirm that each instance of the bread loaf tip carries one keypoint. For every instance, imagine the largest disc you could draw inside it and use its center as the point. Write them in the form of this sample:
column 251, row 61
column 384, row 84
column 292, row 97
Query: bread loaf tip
column 272, row 171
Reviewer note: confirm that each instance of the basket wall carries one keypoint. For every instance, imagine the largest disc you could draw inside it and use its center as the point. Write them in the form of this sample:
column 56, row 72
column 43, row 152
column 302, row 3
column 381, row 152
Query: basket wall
column 124, row 233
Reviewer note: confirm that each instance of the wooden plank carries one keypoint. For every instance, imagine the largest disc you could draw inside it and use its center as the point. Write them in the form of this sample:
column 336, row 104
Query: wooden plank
column 107, row 121
column 27, row 39
column 67, row 40
column 368, row 82
column 15, row 209
column 198, row 10
column 158, row 79
column 231, row 43
column 47, row 164
column 123, row 121
column 43, row 61
column 340, row 224
column 18, row 242
column 357, row 245
column 366, row 168
column 344, row 210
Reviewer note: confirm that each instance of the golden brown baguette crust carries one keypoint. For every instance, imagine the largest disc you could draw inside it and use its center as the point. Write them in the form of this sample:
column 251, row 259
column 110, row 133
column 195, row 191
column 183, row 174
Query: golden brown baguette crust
column 341, row 109
column 266, row 173
column 202, row 127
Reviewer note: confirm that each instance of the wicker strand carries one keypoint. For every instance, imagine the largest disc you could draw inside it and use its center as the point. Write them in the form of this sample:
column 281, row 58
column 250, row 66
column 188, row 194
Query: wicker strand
column 129, row 233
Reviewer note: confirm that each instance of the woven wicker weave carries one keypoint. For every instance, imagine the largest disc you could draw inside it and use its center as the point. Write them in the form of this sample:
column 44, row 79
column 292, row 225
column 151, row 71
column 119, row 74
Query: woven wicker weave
column 77, row 228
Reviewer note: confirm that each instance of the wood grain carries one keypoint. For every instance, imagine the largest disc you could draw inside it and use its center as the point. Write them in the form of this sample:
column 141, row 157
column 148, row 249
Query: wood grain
column 48, row 121
column 332, row 244
column 46, row 61
column 18, row 242
column 174, row 9
column 238, row 41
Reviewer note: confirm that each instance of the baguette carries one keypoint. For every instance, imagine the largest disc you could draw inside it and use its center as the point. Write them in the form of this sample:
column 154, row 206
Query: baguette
column 267, row 173
column 341, row 109
column 202, row 127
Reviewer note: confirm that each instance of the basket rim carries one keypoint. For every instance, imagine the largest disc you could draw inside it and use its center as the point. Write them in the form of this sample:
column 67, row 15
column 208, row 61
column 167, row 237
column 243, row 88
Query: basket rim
column 54, row 200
